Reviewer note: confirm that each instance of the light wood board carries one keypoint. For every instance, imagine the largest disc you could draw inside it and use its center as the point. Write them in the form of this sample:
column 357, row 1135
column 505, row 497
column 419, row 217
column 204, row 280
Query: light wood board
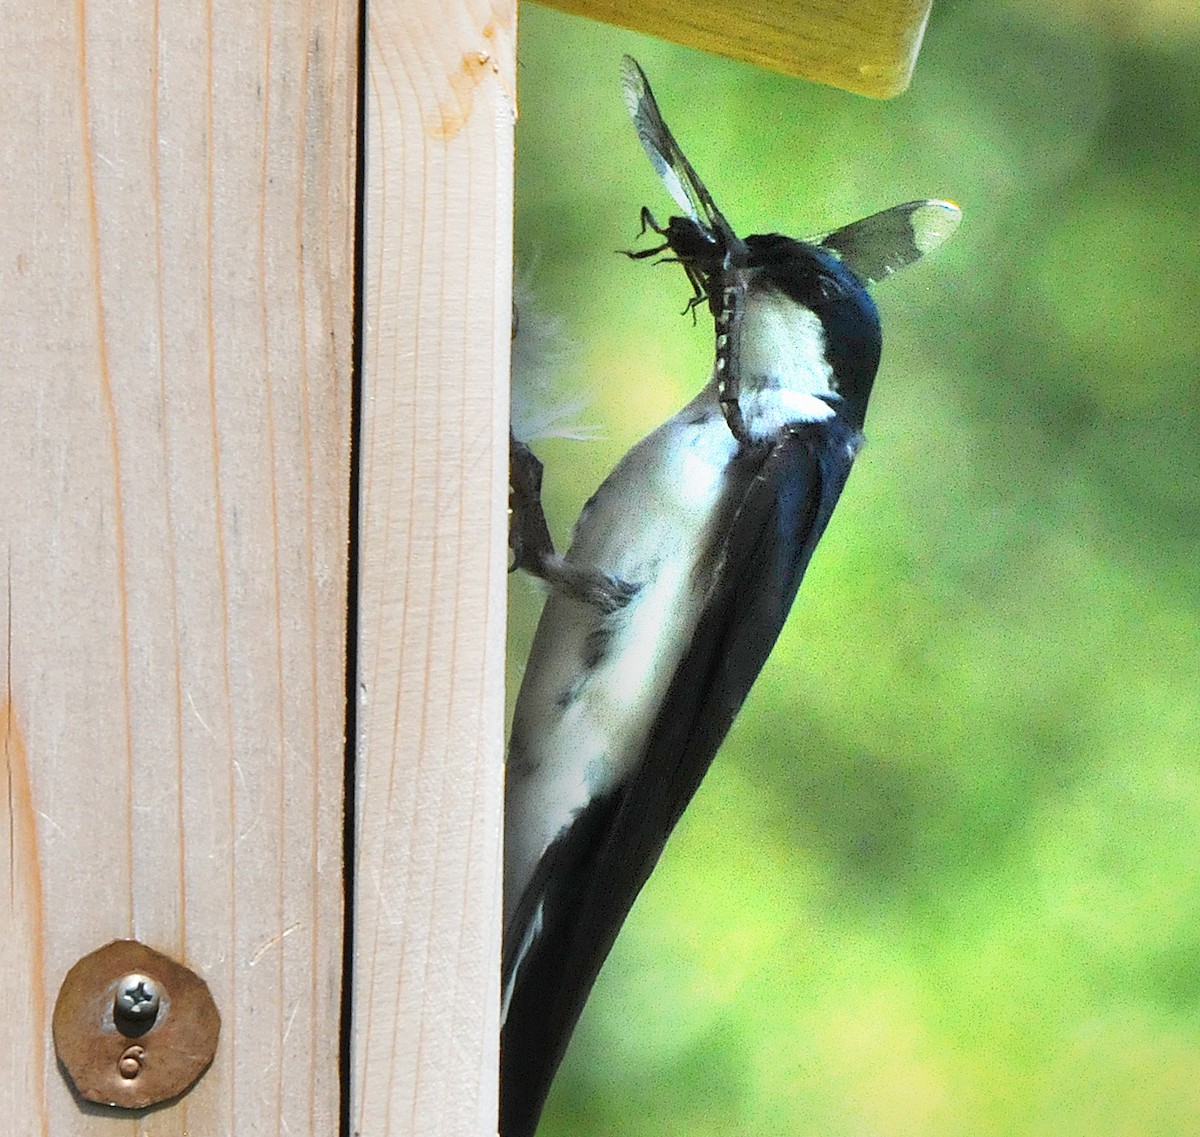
column 432, row 537
column 176, row 282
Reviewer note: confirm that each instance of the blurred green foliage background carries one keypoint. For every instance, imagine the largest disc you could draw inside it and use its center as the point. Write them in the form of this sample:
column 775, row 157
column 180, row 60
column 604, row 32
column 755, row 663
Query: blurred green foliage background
column 943, row 880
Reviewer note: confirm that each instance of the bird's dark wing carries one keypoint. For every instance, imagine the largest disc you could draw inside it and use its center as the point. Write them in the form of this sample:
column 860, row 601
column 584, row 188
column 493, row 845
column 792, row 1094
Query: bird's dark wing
column 777, row 508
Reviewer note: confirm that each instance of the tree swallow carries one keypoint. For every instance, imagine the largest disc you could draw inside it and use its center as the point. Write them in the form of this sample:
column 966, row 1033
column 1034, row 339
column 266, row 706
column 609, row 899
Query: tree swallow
column 680, row 574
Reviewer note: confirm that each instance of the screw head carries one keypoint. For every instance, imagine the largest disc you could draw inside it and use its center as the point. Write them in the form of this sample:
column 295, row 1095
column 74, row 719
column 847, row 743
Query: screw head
column 137, row 999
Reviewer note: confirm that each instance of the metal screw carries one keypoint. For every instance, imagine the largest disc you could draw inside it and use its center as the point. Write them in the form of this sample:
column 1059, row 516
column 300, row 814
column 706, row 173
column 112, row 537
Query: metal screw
column 130, row 1063
column 137, row 1000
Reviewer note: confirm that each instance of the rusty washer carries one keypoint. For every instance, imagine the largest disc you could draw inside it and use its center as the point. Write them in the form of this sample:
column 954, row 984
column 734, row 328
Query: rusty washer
column 115, row 1050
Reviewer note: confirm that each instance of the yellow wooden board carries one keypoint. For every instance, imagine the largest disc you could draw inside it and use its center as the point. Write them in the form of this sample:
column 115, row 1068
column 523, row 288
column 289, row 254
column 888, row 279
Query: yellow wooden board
column 866, row 46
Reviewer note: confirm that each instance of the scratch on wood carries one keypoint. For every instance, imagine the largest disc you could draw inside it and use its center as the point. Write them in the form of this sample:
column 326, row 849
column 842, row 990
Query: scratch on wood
column 274, row 941
column 287, row 1030
column 200, row 717
column 43, row 816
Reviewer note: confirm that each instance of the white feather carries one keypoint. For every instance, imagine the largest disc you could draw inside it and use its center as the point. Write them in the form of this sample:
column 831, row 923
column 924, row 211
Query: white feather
column 539, row 404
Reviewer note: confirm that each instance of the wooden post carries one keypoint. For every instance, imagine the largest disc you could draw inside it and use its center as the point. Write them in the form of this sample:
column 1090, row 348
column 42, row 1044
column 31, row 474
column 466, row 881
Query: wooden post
column 176, row 285
column 432, row 539
column 176, row 295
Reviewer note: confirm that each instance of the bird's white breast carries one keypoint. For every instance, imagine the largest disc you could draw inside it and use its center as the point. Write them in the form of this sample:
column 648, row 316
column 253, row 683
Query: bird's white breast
column 593, row 682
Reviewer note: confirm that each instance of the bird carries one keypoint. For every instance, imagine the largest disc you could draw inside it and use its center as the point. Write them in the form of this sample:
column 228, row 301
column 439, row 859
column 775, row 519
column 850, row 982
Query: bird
column 681, row 571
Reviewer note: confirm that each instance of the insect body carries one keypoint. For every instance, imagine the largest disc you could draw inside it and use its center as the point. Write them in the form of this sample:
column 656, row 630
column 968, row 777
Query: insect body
column 709, row 522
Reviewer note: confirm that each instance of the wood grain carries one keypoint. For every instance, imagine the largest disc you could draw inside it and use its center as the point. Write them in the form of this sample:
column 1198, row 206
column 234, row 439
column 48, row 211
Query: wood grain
column 432, row 538
column 866, row 46
column 176, row 286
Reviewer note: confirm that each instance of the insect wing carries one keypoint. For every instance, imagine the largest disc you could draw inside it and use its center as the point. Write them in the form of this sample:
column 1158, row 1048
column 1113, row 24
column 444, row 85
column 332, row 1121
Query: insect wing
column 877, row 246
column 664, row 153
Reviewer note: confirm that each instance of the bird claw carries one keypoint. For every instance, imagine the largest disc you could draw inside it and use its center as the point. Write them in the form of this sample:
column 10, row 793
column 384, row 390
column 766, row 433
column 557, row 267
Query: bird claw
column 533, row 548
